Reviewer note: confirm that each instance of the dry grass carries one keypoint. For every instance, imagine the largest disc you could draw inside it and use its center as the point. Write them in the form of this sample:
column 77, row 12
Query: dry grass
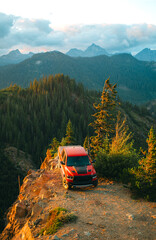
column 57, row 218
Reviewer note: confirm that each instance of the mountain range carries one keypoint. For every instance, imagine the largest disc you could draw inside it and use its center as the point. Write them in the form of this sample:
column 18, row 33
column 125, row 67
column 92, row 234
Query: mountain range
column 94, row 50
column 14, row 57
column 146, row 55
column 136, row 80
column 91, row 51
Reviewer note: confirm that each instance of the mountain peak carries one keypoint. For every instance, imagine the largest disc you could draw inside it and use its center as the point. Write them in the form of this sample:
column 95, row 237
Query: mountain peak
column 93, row 45
column 74, row 52
column 14, row 57
column 146, row 50
column 95, row 50
column 15, row 53
column 92, row 51
column 146, row 55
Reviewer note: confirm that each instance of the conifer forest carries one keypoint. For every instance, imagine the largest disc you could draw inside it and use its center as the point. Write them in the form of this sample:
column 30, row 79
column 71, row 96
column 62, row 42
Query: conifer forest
column 58, row 111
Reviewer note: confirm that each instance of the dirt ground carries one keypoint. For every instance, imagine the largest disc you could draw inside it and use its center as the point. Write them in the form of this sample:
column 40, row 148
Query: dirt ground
column 104, row 212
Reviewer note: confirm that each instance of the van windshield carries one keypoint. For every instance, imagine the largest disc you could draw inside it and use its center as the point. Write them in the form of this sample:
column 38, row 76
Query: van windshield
column 78, row 161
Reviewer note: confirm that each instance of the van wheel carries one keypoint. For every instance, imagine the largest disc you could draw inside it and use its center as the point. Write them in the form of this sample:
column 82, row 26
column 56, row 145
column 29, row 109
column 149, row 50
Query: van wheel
column 95, row 183
column 66, row 184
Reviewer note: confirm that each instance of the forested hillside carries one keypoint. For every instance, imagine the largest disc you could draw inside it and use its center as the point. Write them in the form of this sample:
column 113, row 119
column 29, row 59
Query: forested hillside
column 136, row 79
column 30, row 118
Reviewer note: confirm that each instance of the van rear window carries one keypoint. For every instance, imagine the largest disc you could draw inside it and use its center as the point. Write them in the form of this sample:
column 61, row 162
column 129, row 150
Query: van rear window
column 78, row 161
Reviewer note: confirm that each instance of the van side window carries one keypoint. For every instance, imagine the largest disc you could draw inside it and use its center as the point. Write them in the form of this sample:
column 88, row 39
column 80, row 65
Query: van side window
column 63, row 156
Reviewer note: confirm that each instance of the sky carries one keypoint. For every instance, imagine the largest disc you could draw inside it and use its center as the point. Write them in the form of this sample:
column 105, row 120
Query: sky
column 116, row 25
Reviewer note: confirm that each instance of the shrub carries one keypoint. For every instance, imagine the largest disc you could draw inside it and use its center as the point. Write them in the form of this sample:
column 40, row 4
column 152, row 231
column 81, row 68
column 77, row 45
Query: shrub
column 57, row 218
column 115, row 166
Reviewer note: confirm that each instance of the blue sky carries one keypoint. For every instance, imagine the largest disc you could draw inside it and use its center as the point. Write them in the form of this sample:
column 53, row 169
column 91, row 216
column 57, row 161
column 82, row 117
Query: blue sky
column 117, row 26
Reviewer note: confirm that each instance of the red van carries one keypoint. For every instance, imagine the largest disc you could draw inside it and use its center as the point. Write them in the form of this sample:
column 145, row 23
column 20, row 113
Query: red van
column 76, row 167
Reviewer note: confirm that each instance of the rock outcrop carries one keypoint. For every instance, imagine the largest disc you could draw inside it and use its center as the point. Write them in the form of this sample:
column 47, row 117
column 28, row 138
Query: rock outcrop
column 34, row 195
column 105, row 212
column 19, row 159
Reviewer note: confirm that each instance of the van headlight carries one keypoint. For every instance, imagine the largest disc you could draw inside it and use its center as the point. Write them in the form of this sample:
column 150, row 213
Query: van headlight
column 94, row 176
column 70, row 177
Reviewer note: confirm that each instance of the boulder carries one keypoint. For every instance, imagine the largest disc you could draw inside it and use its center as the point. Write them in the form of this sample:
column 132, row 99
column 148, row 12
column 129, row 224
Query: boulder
column 20, row 210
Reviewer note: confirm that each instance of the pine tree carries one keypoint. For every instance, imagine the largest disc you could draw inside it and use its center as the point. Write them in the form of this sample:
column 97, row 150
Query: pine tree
column 69, row 139
column 31, row 86
column 63, row 142
column 35, row 85
column 104, row 118
column 145, row 174
column 148, row 164
column 54, row 146
column 86, row 143
column 122, row 142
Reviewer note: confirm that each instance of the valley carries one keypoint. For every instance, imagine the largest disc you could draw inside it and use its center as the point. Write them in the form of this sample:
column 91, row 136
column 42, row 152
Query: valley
column 136, row 80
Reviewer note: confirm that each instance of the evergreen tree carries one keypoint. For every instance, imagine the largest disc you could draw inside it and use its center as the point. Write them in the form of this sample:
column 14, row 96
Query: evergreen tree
column 145, row 174
column 104, row 118
column 122, row 142
column 86, row 143
column 35, row 85
column 54, row 146
column 69, row 139
column 63, row 142
column 31, row 86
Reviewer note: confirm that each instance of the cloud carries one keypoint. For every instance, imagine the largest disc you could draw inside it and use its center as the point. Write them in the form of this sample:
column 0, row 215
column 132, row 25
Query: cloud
column 31, row 32
column 39, row 25
column 37, row 33
column 6, row 22
column 113, row 37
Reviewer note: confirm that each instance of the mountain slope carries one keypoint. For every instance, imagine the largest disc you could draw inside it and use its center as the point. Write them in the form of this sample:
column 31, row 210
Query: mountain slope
column 31, row 118
column 44, row 109
column 92, row 51
column 146, row 55
column 136, row 80
column 14, row 165
column 14, row 57
column 104, row 212
column 74, row 52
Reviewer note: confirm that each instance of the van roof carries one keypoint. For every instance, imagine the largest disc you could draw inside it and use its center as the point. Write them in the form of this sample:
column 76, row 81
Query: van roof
column 75, row 151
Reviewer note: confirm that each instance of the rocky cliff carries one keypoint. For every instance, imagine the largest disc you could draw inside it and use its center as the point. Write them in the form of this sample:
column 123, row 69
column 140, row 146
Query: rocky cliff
column 105, row 212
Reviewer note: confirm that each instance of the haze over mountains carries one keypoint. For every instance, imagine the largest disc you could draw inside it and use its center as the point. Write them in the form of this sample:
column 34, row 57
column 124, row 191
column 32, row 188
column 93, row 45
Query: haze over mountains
column 146, row 55
column 95, row 50
column 14, row 57
column 136, row 80
column 91, row 51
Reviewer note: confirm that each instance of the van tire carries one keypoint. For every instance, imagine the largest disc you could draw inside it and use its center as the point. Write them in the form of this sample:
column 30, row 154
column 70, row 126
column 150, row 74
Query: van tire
column 95, row 183
column 66, row 184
